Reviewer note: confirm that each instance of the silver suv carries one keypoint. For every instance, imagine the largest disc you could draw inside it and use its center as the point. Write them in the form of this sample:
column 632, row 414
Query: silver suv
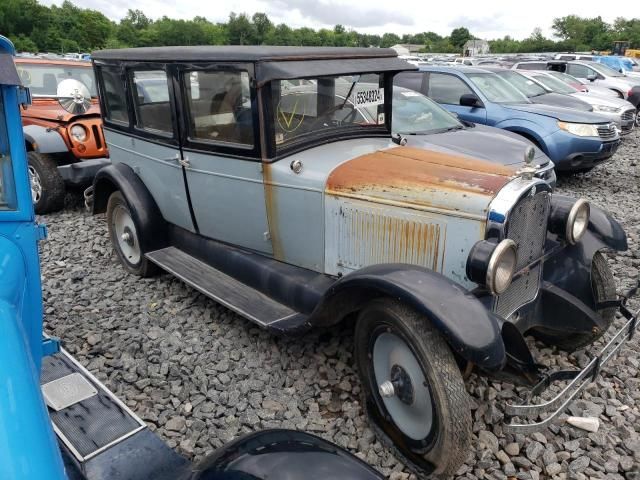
column 603, row 76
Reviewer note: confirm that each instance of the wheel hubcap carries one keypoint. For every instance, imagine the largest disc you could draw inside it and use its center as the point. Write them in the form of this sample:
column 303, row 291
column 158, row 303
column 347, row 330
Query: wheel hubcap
column 36, row 184
column 125, row 233
column 403, row 386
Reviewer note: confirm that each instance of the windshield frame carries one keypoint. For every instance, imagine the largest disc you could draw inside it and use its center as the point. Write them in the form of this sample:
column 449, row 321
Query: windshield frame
column 76, row 69
column 329, row 135
column 522, row 98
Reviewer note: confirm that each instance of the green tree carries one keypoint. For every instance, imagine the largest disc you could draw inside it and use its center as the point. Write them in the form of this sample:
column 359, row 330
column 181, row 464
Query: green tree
column 459, row 36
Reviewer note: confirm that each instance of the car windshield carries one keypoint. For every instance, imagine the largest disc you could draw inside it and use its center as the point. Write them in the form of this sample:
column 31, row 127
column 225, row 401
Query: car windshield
column 497, row 89
column 43, row 80
column 414, row 113
column 554, row 84
column 306, row 107
column 527, row 86
column 604, row 70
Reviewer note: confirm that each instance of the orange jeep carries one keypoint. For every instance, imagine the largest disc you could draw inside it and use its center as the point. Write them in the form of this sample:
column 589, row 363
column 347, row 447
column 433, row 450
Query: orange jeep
column 62, row 128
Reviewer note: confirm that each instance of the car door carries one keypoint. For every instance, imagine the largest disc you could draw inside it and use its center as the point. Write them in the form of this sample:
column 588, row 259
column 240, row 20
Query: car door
column 222, row 166
column 447, row 89
column 140, row 131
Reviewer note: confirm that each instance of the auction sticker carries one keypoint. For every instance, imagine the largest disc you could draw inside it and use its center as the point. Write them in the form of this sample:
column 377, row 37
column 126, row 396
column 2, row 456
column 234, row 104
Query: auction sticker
column 369, row 97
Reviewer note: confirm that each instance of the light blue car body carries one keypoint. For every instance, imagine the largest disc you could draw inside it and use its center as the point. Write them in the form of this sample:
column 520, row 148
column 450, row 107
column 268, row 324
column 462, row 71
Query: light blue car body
column 538, row 123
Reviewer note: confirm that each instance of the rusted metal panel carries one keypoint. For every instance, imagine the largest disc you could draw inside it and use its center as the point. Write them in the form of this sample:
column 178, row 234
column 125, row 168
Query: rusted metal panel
column 421, row 179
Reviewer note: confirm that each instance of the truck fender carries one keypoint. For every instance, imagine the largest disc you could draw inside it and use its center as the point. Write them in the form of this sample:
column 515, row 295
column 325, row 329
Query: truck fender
column 144, row 210
column 471, row 330
column 44, row 140
column 570, row 270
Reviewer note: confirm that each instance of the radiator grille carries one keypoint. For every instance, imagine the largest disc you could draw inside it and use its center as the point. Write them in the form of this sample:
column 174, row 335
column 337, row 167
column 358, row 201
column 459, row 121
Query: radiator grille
column 527, row 227
column 607, row 131
column 628, row 116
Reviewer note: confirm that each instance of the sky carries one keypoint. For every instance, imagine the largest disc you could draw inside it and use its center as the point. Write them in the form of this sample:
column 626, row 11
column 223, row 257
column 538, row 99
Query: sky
column 488, row 19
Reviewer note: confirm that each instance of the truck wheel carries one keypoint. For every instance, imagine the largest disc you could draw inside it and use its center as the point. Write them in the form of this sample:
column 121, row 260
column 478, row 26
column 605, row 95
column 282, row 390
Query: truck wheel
column 47, row 186
column 125, row 239
column 604, row 289
column 413, row 390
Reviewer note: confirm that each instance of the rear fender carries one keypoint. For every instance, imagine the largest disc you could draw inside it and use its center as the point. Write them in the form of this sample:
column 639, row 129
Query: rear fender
column 44, row 140
column 471, row 330
column 144, row 210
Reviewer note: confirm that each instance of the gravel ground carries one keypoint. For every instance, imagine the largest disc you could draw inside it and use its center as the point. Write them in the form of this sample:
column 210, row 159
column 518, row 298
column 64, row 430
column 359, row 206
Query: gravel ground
column 201, row 375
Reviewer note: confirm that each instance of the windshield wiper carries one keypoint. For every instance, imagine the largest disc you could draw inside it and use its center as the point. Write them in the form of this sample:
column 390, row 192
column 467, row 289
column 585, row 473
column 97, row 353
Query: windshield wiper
column 346, row 98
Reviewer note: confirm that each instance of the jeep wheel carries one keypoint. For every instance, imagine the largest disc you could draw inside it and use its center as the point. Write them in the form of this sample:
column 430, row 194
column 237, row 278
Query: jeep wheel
column 603, row 286
column 47, row 186
column 123, row 232
column 414, row 393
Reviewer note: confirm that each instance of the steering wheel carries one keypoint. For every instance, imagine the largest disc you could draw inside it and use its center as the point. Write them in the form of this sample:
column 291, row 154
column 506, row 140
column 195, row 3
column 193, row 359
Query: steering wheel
column 333, row 110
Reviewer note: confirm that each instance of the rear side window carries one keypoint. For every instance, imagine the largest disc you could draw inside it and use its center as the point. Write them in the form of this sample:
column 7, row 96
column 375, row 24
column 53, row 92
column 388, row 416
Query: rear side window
column 579, row 71
column 446, row 89
column 151, row 101
column 410, row 80
column 114, row 96
column 219, row 106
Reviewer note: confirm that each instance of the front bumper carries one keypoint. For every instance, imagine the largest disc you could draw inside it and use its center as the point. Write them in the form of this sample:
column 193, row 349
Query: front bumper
column 82, row 173
column 579, row 379
column 585, row 153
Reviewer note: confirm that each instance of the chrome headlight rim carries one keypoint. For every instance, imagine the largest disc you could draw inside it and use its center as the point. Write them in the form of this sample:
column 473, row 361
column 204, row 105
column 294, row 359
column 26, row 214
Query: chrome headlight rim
column 580, row 206
column 79, row 132
column 503, row 248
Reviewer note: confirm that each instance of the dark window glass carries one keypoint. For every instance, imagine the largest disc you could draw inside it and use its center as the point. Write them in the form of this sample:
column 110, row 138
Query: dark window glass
column 532, row 66
column 220, row 106
column 115, row 97
column 579, row 71
column 447, row 89
column 411, row 80
column 151, row 101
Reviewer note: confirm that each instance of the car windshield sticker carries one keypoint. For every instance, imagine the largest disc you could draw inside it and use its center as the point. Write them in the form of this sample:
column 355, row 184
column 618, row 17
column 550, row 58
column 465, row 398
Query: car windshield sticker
column 368, row 97
column 291, row 112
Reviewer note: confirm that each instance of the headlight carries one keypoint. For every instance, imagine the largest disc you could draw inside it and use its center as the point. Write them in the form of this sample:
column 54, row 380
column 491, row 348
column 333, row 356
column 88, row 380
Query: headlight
column 579, row 129
column 578, row 221
column 79, row 133
column 492, row 265
column 605, row 109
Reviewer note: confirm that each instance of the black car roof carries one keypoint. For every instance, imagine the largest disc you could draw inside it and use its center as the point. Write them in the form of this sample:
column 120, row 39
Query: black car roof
column 271, row 62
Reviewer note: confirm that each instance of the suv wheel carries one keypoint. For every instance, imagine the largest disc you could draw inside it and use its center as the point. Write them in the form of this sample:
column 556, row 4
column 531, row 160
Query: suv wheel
column 47, row 186
column 413, row 389
column 124, row 234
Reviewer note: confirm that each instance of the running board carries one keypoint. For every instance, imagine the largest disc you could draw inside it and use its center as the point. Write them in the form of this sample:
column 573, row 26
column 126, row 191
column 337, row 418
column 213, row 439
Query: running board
column 96, row 430
column 226, row 290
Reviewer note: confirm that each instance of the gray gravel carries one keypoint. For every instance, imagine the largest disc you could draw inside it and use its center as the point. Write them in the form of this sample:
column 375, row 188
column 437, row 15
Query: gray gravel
column 201, row 375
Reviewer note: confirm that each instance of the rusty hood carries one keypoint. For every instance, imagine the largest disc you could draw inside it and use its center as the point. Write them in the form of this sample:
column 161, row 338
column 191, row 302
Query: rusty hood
column 50, row 109
column 421, row 179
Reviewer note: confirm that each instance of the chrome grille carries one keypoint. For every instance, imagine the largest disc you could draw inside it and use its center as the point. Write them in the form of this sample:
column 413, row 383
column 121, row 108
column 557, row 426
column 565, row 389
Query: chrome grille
column 527, row 227
column 607, row 131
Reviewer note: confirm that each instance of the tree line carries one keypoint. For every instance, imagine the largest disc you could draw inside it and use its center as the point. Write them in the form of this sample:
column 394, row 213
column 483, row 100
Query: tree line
column 68, row 28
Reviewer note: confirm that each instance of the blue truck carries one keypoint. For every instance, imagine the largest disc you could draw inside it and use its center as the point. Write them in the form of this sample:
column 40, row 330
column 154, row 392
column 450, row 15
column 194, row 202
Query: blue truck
column 57, row 421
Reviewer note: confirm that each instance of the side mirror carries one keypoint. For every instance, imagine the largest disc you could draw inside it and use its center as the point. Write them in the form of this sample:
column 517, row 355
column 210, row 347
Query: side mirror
column 592, row 77
column 471, row 100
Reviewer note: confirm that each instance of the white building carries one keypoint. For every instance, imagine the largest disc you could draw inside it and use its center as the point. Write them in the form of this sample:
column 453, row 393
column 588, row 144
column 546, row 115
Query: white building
column 475, row 47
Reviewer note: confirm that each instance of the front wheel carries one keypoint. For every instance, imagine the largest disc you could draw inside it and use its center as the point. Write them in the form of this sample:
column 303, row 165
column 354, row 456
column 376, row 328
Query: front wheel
column 125, row 237
column 413, row 389
column 47, row 186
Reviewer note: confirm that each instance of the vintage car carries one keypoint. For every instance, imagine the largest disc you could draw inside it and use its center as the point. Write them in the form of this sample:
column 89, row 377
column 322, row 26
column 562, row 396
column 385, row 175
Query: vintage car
column 62, row 128
column 57, row 421
column 295, row 212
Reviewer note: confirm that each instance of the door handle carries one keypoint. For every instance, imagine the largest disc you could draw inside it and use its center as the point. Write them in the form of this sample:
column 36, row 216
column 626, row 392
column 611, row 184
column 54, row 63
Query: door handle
column 183, row 162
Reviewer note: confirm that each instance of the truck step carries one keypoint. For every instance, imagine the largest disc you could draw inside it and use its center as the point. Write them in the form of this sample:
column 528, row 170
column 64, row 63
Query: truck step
column 226, row 290
column 86, row 416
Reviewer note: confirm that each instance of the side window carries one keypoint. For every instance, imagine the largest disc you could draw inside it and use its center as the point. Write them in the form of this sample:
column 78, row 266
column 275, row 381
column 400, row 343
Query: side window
column 444, row 88
column 531, row 66
column 219, row 106
column 410, row 80
column 151, row 101
column 578, row 71
column 114, row 96
column 7, row 187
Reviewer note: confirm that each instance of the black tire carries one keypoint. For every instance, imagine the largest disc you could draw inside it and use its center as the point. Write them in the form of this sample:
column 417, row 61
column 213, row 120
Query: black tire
column 130, row 252
column 47, row 186
column 447, row 443
column 604, row 289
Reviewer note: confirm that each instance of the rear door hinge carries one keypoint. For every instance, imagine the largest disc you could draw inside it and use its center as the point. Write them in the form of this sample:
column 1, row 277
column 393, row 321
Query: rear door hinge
column 41, row 231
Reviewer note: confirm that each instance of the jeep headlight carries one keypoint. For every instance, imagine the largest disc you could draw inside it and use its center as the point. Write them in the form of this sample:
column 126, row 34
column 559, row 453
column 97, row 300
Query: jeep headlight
column 79, row 133
column 605, row 109
column 493, row 265
column 579, row 129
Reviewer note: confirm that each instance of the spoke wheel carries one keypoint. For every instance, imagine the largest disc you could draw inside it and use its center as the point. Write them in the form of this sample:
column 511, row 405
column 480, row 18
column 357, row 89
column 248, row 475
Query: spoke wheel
column 36, row 184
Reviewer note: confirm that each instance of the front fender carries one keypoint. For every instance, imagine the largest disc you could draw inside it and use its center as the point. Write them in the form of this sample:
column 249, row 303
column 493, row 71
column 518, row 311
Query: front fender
column 144, row 210
column 44, row 140
column 472, row 331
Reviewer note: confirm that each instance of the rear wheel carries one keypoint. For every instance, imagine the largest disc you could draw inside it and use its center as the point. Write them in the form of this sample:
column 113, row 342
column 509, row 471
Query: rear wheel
column 47, row 186
column 413, row 389
column 604, row 289
column 124, row 234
